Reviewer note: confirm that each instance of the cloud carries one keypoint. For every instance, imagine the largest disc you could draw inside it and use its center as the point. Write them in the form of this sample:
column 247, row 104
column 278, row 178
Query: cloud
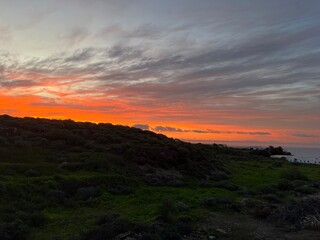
column 74, row 36
column 303, row 135
column 167, row 129
column 141, row 126
column 81, row 55
column 5, row 34
column 172, row 129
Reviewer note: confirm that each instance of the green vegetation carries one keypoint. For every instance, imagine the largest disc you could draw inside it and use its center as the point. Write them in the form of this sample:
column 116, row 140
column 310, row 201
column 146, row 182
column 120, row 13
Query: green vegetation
column 78, row 181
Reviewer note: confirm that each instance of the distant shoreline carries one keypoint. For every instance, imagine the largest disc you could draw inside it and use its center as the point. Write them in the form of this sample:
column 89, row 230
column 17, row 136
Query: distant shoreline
column 302, row 155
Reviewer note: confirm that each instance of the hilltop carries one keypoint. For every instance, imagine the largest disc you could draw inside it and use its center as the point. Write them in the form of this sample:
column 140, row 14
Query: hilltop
column 61, row 179
column 68, row 142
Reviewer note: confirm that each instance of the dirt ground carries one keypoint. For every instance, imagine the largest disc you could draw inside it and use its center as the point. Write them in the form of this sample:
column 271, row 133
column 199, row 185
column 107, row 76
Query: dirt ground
column 241, row 227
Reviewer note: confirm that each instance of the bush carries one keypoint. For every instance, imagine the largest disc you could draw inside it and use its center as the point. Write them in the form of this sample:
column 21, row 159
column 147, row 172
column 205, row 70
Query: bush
column 246, row 192
column 184, row 225
column 109, row 227
column 166, row 210
column 303, row 213
column 299, row 183
column 72, row 166
column 3, row 141
column 293, row 174
column 306, row 189
column 32, row 173
column 284, row 185
column 56, row 196
column 257, row 208
column 3, row 187
column 86, row 193
column 37, row 219
column 267, row 189
column 277, row 164
column 169, row 233
column 225, row 203
column 272, row 198
column 15, row 230
column 219, row 175
column 181, row 206
column 121, row 190
column 227, row 185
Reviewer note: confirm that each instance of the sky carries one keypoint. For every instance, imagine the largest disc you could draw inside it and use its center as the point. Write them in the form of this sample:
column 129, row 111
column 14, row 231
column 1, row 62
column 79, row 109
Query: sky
column 225, row 71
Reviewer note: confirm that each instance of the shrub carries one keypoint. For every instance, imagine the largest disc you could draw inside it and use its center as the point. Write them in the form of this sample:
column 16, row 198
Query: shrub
column 267, row 189
column 121, row 190
column 316, row 184
column 70, row 186
column 299, row 183
column 86, row 193
column 15, row 230
column 109, row 227
column 169, row 233
column 246, row 192
column 72, row 166
column 272, row 198
column 306, row 189
column 32, row 173
column 284, row 185
column 184, row 226
column 219, row 175
column 56, row 196
column 166, row 210
column 293, row 174
column 216, row 203
column 181, row 206
column 227, row 185
column 210, row 203
column 257, row 208
column 277, row 164
column 303, row 213
column 37, row 219
column 3, row 187
column 3, row 141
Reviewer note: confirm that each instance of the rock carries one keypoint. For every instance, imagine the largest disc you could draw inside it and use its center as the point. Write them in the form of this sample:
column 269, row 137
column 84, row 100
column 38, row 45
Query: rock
column 211, row 237
column 221, row 230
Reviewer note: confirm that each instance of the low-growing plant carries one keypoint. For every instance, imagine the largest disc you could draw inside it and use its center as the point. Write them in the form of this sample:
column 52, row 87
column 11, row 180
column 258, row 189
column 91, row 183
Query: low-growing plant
column 302, row 213
column 165, row 210
column 293, row 174
column 32, row 173
column 227, row 185
column 285, row 185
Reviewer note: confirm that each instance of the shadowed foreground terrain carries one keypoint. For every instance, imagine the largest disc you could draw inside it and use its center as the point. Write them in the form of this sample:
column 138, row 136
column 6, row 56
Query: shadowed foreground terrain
column 61, row 179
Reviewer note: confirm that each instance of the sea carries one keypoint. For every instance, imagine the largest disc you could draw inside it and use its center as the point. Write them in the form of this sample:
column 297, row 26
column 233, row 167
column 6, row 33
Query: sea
column 303, row 155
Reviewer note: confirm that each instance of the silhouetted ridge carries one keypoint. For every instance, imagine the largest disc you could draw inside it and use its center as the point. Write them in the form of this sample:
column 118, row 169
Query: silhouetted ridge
column 134, row 148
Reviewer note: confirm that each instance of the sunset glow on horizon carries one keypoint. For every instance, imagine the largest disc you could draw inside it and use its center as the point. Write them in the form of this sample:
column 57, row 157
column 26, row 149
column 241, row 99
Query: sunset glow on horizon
column 199, row 71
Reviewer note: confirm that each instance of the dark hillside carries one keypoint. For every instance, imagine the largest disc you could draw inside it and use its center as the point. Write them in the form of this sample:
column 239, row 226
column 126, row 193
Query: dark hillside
column 131, row 147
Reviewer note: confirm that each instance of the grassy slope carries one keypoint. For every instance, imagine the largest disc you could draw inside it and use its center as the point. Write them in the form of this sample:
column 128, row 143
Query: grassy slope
column 142, row 205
